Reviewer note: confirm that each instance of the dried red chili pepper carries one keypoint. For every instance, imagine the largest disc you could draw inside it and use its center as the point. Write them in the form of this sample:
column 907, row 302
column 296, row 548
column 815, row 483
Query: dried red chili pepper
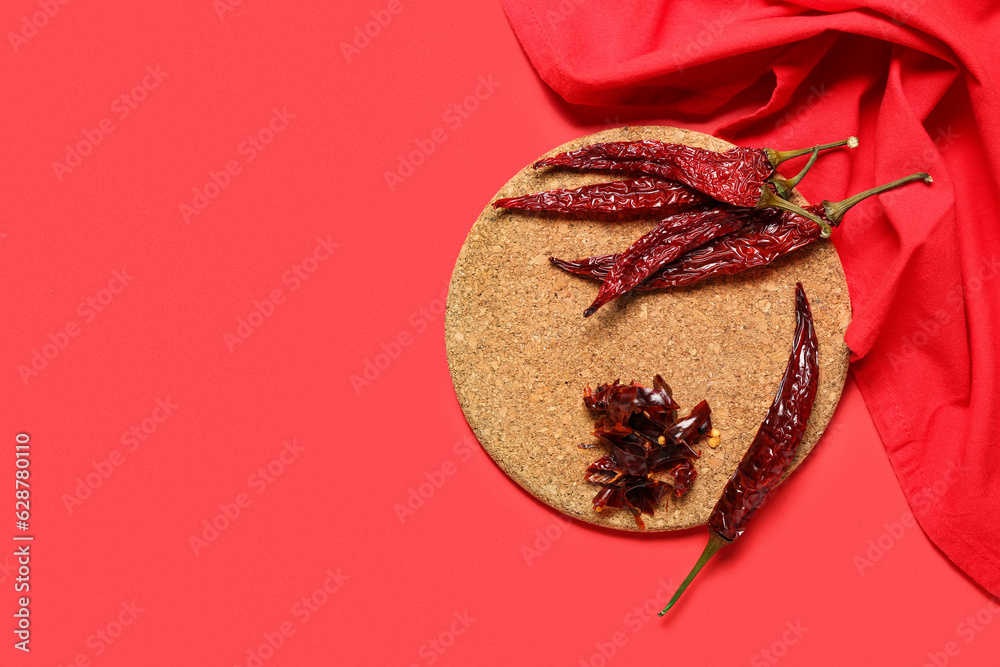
column 617, row 199
column 640, row 429
column 756, row 244
column 663, row 244
column 770, row 235
column 740, row 176
column 773, row 448
column 736, row 176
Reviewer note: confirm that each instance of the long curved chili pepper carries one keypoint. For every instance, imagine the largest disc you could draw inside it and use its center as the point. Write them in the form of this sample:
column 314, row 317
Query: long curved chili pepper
column 773, row 448
column 597, row 162
column 770, row 235
column 756, row 244
column 739, row 176
column 617, row 199
column 665, row 243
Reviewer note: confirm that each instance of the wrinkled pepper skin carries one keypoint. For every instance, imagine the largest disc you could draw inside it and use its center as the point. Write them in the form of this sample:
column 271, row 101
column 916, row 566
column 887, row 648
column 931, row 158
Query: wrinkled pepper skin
column 768, row 235
column 642, row 434
column 670, row 239
column 615, row 200
column 737, row 176
column 772, row 450
column 777, row 441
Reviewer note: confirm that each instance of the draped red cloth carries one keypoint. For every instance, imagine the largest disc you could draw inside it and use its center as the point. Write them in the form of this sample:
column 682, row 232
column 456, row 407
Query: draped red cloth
column 914, row 80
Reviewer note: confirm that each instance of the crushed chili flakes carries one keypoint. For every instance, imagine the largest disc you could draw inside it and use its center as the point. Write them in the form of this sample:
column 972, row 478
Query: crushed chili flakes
column 643, row 436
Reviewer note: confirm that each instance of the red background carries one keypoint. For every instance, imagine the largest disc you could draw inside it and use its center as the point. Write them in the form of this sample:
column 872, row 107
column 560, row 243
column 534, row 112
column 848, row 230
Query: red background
column 475, row 548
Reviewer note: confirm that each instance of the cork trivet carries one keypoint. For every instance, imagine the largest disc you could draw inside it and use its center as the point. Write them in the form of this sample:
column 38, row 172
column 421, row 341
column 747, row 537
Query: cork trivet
column 521, row 352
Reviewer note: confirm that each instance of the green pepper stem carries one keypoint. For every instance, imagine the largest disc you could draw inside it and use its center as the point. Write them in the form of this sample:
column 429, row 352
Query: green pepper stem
column 835, row 210
column 785, row 186
column 768, row 198
column 777, row 157
column 714, row 544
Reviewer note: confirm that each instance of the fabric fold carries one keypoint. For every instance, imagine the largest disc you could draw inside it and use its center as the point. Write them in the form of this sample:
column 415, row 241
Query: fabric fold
column 915, row 81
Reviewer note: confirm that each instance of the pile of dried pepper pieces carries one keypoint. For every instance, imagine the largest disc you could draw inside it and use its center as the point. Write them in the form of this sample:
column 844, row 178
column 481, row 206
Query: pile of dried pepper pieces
column 721, row 213
column 643, row 435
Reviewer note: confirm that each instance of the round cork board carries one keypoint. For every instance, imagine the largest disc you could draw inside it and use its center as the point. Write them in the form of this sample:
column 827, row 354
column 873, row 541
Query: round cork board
column 521, row 352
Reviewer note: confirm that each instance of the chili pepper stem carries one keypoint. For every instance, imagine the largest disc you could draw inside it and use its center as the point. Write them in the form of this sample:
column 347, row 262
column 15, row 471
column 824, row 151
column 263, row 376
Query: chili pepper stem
column 835, row 210
column 714, row 544
column 777, row 157
column 768, row 198
column 785, row 186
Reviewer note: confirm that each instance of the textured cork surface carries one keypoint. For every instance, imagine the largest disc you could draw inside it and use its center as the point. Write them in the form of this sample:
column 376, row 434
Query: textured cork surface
column 521, row 352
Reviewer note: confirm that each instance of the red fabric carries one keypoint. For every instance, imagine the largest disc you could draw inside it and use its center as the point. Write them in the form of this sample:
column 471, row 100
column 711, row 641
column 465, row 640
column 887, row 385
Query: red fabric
column 915, row 81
